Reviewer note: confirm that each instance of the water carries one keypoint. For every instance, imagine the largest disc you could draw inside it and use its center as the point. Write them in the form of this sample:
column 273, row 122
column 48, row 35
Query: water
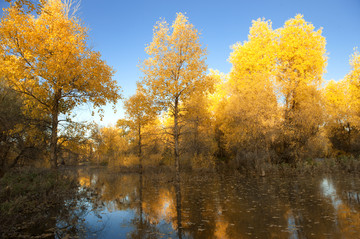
column 211, row 205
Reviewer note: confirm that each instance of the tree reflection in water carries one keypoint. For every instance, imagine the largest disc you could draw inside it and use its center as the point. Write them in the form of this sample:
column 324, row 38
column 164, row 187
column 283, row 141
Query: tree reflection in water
column 225, row 206
column 178, row 204
column 143, row 228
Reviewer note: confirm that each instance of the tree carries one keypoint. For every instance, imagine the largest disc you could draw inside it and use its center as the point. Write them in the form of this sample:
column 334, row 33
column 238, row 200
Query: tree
column 353, row 77
column 301, row 62
column 198, row 143
column 140, row 111
column 343, row 107
column 340, row 122
column 250, row 113
column 45, row 57
column 20, row 136
column 301, row 59
column 110, row 145
column 74, row 141
column 175, row 70
column 217, row 103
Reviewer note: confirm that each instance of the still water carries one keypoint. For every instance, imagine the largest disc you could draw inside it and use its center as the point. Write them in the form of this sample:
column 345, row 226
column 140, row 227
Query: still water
column 216, row 205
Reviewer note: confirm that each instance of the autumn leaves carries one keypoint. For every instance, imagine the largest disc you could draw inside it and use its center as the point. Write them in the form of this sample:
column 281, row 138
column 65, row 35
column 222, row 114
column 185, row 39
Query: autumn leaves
column 274, row 87
column 46, row 59
column 271, row 106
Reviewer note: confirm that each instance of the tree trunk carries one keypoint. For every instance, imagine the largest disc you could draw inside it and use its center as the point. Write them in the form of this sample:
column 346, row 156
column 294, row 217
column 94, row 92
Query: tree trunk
column 54, row 129
column 176, row 135
column 177, row 167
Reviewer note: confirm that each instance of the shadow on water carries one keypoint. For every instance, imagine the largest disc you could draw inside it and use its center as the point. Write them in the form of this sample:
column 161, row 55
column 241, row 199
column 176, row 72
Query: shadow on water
column 214, row 205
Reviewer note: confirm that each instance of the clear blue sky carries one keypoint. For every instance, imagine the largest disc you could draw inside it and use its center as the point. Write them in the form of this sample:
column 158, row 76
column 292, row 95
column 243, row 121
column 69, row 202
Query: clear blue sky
column 121, row 29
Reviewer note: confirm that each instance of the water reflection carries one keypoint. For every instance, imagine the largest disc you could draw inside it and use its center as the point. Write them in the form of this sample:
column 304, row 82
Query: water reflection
column 330, row 192
column 220, row 206
column 348, row 216
column 178, row 204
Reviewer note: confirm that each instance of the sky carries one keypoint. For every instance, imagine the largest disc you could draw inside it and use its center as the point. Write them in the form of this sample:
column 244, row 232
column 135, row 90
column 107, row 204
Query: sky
column 120, row 31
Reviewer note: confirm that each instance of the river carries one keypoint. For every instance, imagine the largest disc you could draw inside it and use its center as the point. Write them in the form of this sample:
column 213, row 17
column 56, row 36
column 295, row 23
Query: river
column 215, row 205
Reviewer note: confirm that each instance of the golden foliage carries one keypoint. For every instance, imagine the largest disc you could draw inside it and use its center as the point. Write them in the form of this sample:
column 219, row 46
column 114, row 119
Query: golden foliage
column 354, row 84
column 175, row 69
column 251, row 109
column 47, row 54
column 45, row 57
column 337, row 99
column 301, row 62
column 111, row 145
column 176, row 64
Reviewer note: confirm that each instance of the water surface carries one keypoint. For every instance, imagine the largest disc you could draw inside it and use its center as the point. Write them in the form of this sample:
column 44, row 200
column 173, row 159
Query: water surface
column 217, row 205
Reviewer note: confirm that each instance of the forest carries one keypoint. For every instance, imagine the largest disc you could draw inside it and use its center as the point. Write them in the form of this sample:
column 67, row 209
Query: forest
column 247, row 134
column 273, row 107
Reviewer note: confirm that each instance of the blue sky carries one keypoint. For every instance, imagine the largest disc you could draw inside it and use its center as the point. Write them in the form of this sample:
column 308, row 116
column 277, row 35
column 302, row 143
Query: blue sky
column 120, row 30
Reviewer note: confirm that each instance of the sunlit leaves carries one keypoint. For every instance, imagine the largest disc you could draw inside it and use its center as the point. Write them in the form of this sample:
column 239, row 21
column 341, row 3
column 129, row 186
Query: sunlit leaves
column 140, row 111
column 175, row 69
column 46, row 58
column 353, row 78
column 49, row 52
column 250, row 109
column 176, row 64
column 301, row 58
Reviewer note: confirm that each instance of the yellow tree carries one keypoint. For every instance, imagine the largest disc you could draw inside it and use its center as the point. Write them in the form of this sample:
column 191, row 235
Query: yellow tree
column 46, row 58
column 139, row 111
column 217, row 103
column 340, row 120
column 111, row 145
column 198, row 142
column 343, row 107
column 337, row 99
column 354, row 83
column 175, row 69
column 301, row 62
column 251, row 110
